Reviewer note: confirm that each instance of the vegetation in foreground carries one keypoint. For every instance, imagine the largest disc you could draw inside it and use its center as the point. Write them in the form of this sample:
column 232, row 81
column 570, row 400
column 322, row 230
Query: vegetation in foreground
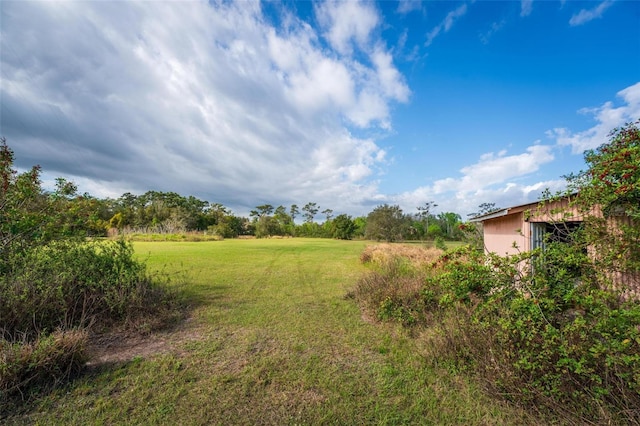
column 56, row 289
column 571, row 353
column 550, row 330
column 273, row 343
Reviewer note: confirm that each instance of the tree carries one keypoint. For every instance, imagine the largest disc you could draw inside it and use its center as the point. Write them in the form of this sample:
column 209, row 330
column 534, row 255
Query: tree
column 484, row 208
column 294, row 212
column 451, row 221
column 328, row 214
column 284, row 219
column 31, row 217
column 611, row 183
column 424, row 213
column 343, row 227
column 267, row 226
column 386, row 223
column 310, row 210
column 262, row 210
column 361, row 226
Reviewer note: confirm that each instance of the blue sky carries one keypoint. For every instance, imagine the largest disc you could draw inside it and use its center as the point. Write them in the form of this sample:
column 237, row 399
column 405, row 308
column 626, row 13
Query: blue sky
column 346, row 104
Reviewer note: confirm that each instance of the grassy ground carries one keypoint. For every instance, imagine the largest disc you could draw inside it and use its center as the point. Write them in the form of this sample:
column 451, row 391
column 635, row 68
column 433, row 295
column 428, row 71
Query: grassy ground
column 272, row 340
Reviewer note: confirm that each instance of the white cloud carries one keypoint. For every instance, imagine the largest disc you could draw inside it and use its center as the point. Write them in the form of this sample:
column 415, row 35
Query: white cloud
column 199, row 98
column 493, row 169
column 607, row 116
column 406, row 6
column 526, row 7
column 446, row 23
column 586, row 15
column 494, row 178
column 347, row 21
column 495, row 27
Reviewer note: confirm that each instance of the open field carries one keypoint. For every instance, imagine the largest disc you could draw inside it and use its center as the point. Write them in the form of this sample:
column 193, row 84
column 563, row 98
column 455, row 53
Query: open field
column 271, row 339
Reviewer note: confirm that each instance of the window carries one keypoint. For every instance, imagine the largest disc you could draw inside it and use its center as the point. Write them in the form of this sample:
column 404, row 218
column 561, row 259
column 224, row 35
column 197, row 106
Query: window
column 542, row 232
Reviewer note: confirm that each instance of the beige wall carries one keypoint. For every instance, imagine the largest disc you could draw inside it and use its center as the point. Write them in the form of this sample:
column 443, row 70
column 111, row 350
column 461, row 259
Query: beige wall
column 500, row 234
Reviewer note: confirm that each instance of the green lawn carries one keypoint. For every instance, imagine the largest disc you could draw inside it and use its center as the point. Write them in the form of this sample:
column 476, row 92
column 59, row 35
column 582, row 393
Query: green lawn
column 272, row 340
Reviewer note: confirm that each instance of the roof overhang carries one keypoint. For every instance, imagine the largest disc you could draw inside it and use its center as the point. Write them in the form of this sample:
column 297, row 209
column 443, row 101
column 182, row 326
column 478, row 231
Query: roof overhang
column 492, row 215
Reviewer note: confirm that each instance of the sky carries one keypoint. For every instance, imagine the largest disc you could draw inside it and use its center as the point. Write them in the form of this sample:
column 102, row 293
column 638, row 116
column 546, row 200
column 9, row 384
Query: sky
column 346, row 104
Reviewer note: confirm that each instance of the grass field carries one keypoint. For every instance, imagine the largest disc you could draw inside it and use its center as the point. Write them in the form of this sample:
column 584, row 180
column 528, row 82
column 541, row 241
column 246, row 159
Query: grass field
column 271, row 339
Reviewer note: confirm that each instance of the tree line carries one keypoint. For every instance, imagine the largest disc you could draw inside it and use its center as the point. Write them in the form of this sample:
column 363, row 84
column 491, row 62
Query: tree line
column 169, row 212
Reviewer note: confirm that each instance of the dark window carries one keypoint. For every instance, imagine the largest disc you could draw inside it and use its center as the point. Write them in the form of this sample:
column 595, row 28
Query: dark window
column 542, row 232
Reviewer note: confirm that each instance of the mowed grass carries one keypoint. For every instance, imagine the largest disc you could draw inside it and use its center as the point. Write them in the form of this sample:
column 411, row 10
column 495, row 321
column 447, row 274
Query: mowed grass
column 272, row 339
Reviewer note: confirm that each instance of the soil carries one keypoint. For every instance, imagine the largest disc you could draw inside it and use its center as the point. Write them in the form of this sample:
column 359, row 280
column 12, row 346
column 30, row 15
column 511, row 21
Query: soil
column 118, row 347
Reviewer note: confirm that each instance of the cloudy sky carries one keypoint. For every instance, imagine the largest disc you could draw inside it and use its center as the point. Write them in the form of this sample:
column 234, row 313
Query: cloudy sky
column 346, row 104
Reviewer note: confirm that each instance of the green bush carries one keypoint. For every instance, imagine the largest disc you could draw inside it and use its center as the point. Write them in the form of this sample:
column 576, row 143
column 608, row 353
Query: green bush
column 545, row 337
column 56, row 287
column 68, row 284
column 560, row 340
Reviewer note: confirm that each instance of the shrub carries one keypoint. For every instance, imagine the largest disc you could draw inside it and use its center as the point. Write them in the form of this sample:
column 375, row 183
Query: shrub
column 545, row 337
column 55, row 287
column 562, row 341
column 66, row 284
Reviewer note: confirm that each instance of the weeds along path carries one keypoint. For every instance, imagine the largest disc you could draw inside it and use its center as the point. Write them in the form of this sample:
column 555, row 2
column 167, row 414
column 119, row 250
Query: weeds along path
column 272, row 340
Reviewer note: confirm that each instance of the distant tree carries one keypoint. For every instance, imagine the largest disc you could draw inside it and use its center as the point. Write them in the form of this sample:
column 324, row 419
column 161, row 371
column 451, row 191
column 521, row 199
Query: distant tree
column 343, row 227
column 328, row 214
column 424, row 213
column 485, row 208
column 361, row 225
column 435, row 231
column 294, row 212
column 386, row 223
column 262, row 210
column 450, row 221
column 284, row 220
column 310, row 210
column 267, row 226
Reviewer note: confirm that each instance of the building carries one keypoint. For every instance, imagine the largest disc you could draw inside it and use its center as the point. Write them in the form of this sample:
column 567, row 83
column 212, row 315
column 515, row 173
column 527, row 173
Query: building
column 522, row 228
column 525, row 227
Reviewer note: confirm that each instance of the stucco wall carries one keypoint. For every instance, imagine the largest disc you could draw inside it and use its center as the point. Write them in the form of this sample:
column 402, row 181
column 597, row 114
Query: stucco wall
column 500, row 234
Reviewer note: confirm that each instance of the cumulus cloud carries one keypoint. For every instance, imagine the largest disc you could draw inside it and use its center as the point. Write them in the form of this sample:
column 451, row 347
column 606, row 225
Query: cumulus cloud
column 495, row 178
column 209, row 99
column 586, row 15
column 346, row 22
column 607, row 117
column 496, row 168
column 446, row 23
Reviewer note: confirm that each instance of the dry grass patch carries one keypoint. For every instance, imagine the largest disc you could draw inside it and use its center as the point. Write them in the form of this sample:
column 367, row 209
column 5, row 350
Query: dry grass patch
column 384, row 253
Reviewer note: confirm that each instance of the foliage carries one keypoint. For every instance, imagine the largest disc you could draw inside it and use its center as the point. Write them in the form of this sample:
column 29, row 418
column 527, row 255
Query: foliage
column 556, row 337
column 612, row 179
column 611, row 184
column 551, row 339
column 560, row 340
column 53, row 281
column 66, row 284
column 30, row 217
column 343, row 227
column 310, row 210
column 386, row 223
